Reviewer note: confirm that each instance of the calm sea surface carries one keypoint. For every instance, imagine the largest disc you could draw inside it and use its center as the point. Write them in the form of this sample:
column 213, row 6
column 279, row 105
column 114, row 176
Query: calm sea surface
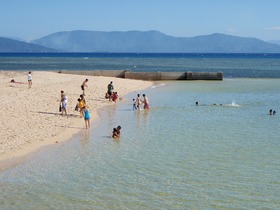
column 174, row 156
column 232, row 65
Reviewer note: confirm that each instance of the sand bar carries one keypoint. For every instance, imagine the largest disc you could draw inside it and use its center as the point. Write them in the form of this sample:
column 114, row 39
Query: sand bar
column 30, row 118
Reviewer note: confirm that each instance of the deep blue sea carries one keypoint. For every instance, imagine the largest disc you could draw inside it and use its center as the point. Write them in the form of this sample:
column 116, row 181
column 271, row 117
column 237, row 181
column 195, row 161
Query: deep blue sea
column 174, row 156
column 232, row 65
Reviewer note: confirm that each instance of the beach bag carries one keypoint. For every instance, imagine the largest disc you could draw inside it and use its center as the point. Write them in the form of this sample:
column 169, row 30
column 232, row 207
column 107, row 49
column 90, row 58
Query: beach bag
column 59, row 107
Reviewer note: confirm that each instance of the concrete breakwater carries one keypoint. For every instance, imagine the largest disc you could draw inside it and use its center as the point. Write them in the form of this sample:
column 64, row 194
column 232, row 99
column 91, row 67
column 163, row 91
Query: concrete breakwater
column 151, row 75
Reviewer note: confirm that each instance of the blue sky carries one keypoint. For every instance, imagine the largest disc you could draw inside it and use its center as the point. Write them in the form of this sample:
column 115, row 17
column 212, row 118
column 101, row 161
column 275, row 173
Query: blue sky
column 31, row 19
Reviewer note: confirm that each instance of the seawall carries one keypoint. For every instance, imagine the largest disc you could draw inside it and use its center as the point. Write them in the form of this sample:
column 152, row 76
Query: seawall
column 151, row 75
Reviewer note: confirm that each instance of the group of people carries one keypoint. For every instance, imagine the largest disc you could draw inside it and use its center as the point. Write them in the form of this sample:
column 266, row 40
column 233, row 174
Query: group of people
column 29, row 80
column 83, row 108
column 116, row 132
column 138, row 102
column 80, row 106
column 110, row 94
column 272, row 112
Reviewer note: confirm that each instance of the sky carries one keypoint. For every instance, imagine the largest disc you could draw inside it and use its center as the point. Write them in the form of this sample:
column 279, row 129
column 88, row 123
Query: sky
column 33, row 19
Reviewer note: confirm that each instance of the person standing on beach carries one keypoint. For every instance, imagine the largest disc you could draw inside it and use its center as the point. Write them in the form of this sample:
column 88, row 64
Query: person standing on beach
column 84, row 85
column 82, row 104
column 146, row 102
column 110, row 89
column 87, row 117
column 61, row 99
column 138, row 102
column 82, row 97
column 64, row 101
column 29, row 78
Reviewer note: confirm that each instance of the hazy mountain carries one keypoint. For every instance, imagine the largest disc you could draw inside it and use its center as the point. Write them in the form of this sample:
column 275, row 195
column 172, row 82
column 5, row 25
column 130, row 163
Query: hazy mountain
column 275, row 42
column 10, row 45
column 137, row 41
column 153, row 41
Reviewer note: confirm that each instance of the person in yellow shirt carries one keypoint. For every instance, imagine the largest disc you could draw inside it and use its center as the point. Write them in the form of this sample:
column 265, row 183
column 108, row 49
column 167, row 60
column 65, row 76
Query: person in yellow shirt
column 82, row 105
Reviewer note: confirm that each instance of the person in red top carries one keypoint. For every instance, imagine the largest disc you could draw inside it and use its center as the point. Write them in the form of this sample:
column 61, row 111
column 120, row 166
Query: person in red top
column 115, row 96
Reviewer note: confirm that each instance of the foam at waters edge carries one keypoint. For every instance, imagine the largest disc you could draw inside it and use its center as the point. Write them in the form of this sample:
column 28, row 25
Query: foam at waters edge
column 158, row 85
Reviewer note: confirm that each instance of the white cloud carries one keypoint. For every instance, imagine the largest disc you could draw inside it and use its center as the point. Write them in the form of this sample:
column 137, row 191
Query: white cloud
column 273, row 28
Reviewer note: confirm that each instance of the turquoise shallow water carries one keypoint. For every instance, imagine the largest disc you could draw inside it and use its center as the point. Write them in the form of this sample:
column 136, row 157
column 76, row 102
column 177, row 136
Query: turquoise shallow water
column 174, row 156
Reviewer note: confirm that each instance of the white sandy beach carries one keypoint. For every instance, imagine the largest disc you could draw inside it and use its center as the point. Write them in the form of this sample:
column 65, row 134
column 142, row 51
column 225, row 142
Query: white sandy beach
column 30, row 118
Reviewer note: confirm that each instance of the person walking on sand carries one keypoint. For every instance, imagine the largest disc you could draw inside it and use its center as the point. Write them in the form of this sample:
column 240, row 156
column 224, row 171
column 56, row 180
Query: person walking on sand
column 87, row 117
column 84, row 85
column 110, row 89
column 146, row 102
column 138, row 102
column 29, row 78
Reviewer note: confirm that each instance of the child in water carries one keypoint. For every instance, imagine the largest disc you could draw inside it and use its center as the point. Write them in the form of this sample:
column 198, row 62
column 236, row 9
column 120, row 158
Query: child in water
column 114, row 133
column 117, row 132
column 87, row 117
column 134, row 104
column 115, row 96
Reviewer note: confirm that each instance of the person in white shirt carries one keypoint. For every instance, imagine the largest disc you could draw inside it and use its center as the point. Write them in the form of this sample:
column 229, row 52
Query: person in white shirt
column 64, row 101
column 29, row 78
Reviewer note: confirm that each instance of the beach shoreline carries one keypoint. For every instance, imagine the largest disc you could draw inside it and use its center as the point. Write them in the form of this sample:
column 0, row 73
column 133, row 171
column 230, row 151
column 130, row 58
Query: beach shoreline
column 30, row 117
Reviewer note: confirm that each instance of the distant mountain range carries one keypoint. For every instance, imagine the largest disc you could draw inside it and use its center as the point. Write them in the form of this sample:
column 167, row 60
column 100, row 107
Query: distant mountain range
column 10, row 45
column 138, row 42
column 275, row 42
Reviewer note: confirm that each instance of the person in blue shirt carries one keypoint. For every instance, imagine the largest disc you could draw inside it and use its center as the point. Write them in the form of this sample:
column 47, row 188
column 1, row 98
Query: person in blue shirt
column 87, row 117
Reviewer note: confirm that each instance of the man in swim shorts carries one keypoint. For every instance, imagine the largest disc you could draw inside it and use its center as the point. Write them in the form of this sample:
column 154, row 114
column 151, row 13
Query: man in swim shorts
column 138, row 102
column 146, row 102
column 84, row 85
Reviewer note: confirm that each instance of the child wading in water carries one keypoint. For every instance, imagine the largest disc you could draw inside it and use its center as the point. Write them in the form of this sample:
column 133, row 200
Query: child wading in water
column 87, row 117
column 116, row 132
